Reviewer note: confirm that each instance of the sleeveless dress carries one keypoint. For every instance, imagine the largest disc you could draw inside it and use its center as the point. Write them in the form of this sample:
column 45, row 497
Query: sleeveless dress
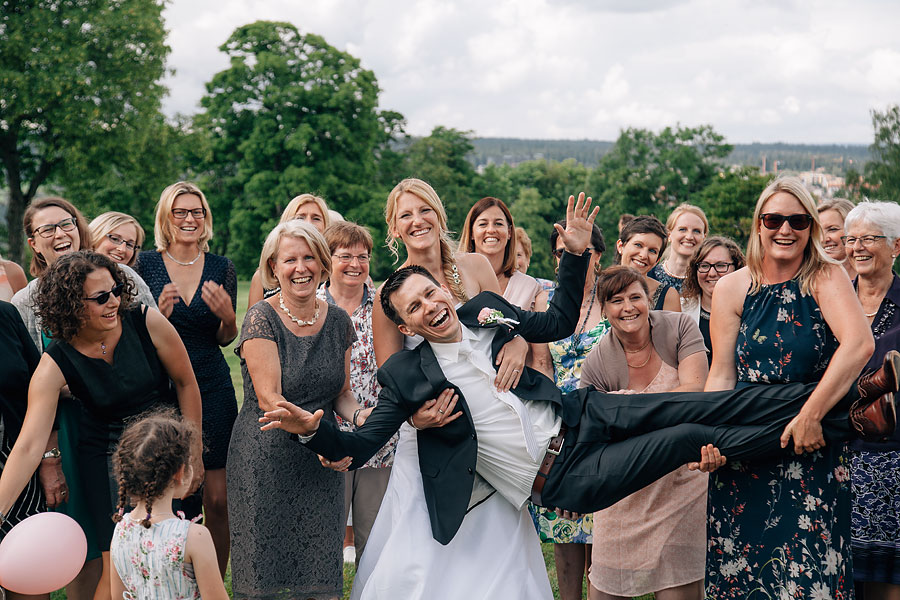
column 568, row 356
column 655, row 538
column 522, row 290
column 659, row 273
column 110, row 394
column 284, row 507
column 495, row 553
column 780, row 528
column 658, row 299
column 150, row 562
column 197, row 326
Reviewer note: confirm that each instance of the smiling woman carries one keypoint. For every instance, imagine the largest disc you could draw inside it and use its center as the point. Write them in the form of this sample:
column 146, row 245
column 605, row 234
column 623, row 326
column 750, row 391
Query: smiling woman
column 687, row 227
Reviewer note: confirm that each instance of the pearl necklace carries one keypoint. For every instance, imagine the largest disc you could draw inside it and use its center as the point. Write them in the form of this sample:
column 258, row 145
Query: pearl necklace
column 299, row 322
column 668, row 272
column 185, row 264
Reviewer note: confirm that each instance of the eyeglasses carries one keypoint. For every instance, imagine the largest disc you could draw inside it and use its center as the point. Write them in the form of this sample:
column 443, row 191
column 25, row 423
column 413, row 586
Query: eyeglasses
column 348, row 258
column 47, row 231
column 182, row 213
column 119, row 240
column 865, row 240
column 720, row 267
column 797, row 222
column 103, row 297
column 559, row 252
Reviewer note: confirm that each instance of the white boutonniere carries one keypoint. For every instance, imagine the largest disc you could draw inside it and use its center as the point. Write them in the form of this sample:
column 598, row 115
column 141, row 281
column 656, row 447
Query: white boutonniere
column 492, row 316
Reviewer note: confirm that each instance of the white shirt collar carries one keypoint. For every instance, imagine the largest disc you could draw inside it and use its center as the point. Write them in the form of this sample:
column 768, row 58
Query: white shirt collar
column 449, row 351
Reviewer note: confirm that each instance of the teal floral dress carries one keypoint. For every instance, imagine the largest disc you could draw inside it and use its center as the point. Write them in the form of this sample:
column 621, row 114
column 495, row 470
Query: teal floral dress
column 780, row 528
column 568, row 355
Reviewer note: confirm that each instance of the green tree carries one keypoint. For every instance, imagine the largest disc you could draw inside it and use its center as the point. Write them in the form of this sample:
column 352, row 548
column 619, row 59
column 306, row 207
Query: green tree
column 883, row 171
column 292, row 114
column 81, row 89
column 729, row 200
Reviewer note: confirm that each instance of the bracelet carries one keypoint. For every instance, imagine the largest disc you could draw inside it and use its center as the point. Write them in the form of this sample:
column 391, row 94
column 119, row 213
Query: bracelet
column 356, row 414
column 413, row 425
column 51, row 453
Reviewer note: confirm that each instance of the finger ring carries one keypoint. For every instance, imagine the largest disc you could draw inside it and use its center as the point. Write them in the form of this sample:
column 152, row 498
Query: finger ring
column 515, row 370
column 63, row 493
column 440, row 411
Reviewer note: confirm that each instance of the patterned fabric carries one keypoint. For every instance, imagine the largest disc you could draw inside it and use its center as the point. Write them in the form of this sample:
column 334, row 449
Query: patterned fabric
column 150, row 562
column 285, row 508
column 658, row 298
column 780, row 528
column 198, row 326
column 364, row 371
column 659, row 274
column 876, row 516
column 568, row 355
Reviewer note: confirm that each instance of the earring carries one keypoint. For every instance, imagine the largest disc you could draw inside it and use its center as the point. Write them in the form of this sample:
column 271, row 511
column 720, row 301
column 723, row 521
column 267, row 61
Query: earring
column 597, row 268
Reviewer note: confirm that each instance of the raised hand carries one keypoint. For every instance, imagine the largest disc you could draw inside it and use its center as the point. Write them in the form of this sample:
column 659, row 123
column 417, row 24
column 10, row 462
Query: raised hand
column 579, row 224
column 291, row 418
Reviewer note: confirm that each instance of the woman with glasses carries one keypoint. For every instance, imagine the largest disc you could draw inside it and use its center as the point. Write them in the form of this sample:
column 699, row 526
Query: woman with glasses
column 118, row 359
column 118, row 236
column 716, row 257
column 781, row 527
column 197, row 291
column 872, row 242
column 832, row 213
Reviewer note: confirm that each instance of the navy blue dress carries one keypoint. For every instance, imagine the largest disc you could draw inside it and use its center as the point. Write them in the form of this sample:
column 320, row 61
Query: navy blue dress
column 197, row 326
column 780, row 528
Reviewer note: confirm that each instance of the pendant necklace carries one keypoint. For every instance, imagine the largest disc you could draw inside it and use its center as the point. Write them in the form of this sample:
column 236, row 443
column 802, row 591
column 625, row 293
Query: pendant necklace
column 185, row 264
column 299, row 322
column 576, row 337
column 102, row 347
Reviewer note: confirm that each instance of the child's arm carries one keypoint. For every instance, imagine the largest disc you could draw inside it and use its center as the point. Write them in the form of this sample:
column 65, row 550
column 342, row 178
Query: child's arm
column 199, row 551
column 118, row 588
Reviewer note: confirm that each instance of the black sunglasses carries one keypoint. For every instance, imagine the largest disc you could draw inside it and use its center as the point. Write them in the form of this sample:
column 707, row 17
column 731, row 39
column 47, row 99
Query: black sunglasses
column 797, row 222
column 103, row 297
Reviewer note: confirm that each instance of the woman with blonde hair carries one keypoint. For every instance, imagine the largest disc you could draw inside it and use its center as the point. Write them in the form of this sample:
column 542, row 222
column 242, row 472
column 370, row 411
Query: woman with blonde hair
column 687, row 227
column 832, row 213
column 305, row 207
column 781, row 527
column 118, row 236
column 197, row 291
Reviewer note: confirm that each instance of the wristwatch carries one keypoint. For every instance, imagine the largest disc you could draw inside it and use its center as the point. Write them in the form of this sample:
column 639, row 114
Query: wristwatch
column 51, row 453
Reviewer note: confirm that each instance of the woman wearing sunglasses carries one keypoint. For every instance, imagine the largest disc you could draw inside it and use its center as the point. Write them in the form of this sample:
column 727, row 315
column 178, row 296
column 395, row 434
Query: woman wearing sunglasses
column 117, row 236
column 117, row 359
column 781, row 527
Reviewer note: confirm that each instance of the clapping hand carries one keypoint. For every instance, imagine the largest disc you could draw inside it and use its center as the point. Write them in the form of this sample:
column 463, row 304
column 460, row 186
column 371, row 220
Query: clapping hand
column 579, row 224
column 168, row 298
column 291, row 418
column 218, row 300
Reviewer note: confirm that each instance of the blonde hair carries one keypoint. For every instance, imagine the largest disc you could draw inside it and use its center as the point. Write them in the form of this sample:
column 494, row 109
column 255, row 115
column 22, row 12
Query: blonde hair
column 106, row 222
column 293, row 229
column 841, row 205
column 814, row 257
column 523, row 241
column 686, row 208
column 290, row 211
column 162, row 224
column 426, row 193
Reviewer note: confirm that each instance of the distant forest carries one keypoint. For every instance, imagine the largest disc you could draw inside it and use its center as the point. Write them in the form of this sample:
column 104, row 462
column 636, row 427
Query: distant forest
column 836, row 159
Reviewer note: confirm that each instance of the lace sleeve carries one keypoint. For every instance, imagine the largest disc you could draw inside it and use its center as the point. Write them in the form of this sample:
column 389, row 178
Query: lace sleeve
column 257, row 324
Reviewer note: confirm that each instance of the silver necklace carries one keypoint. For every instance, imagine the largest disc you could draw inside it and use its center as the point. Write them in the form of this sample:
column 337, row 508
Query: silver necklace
column 299, row 322
column 185, row 264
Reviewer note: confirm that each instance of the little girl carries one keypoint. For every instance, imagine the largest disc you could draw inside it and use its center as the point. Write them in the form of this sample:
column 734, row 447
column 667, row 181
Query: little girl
column 154, row 553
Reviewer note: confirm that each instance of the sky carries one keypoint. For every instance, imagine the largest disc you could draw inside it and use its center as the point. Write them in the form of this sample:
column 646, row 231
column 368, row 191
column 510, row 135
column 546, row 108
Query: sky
column 795, row 71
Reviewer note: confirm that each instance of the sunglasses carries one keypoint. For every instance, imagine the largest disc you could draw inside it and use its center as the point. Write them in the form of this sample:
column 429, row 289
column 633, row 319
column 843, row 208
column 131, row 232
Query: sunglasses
column 103, row 297
column 797, row 222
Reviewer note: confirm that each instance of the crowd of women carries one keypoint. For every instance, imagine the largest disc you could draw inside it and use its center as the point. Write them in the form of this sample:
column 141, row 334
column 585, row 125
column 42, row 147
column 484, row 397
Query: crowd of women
column 105, row 332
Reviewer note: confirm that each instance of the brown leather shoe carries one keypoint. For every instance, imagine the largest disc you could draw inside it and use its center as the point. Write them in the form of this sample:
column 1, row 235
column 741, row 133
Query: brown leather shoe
column 874, row 421
column 882, row 381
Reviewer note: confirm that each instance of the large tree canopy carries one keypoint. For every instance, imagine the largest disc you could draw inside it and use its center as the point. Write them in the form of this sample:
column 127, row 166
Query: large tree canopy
column 883, row 171
column 80, row 83
column 291, row 114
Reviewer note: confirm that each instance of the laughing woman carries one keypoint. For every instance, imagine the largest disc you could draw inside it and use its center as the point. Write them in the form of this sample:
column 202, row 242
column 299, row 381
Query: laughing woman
column 687, row 227
column 640, row 245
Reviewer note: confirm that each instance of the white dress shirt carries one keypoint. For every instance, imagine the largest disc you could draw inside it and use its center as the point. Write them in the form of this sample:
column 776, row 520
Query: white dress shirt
column 513, row 434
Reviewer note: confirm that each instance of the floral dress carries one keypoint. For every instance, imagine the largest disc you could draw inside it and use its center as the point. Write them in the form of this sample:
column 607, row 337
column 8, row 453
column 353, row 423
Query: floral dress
column 150, row 562
column 780, row 528
column 568, row 356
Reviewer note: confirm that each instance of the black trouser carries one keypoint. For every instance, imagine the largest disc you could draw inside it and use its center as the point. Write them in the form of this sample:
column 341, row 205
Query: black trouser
column 624, row 442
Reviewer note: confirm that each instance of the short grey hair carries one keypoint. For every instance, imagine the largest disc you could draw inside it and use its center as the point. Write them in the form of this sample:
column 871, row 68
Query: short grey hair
column 884, row 216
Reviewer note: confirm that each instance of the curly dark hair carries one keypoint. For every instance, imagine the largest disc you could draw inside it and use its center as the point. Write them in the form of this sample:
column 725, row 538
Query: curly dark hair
column 151, row 450
column 59, row 301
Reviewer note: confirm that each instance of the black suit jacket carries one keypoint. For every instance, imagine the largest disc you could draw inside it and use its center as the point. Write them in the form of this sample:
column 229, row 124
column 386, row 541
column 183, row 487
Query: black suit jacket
column 409, row 378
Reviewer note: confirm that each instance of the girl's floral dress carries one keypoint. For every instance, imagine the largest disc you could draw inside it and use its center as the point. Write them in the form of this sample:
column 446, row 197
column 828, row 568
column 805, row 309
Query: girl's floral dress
column 150, row 562
column 568, row 356
column 780, row 528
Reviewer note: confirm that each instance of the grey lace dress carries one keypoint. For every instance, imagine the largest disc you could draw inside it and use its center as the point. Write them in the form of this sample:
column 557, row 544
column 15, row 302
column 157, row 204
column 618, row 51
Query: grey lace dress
column 285, row 509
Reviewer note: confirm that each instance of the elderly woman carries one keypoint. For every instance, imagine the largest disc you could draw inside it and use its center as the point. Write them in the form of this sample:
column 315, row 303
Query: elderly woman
column 285, row 508
column 653, row 540
column 832, row 213
column 640, row 246
column 118, row 236
column 305, row 207
column 197, row 291
column 781, row 527
column 118, row 359
column 713, row 259
column 687, row 227
column 872, row 241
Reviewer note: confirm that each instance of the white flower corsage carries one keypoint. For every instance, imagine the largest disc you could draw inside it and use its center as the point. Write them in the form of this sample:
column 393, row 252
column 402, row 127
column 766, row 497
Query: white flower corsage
column 492, row 316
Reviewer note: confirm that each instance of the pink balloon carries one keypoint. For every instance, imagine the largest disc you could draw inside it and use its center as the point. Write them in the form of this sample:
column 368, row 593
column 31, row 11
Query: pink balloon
column 41, row 554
